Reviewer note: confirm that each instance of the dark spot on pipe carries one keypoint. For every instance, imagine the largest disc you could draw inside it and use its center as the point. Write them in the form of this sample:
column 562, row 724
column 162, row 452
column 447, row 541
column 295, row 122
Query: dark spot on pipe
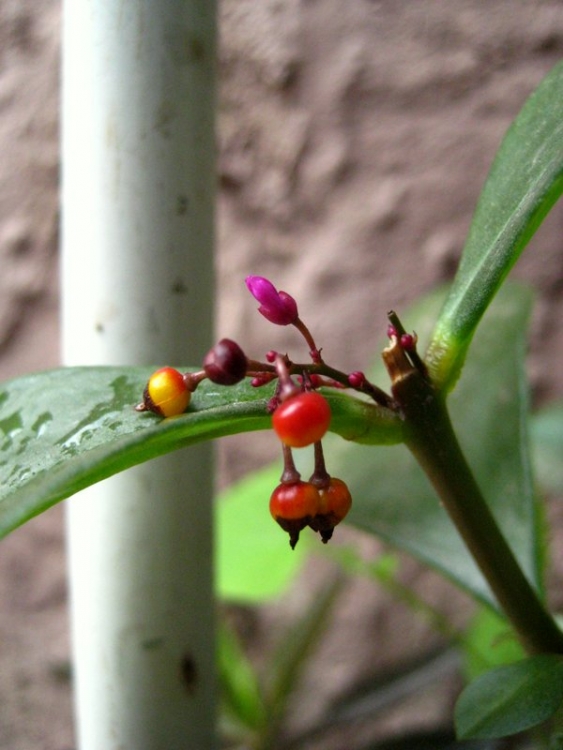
column 182, row 205
column 150, row 644
column 178, row 287
column 188, row 672
column 195, row 49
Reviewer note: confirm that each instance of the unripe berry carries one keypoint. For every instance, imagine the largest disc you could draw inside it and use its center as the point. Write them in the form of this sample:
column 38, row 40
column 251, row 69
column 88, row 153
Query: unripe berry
column 335, row 501
column 225, row 363
column 166, row 393
column 302, row 419
column 293, row 505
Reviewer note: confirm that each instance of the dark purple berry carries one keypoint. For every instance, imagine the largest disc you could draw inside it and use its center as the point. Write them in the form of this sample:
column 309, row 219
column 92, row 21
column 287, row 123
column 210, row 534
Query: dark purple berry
column 225, row 363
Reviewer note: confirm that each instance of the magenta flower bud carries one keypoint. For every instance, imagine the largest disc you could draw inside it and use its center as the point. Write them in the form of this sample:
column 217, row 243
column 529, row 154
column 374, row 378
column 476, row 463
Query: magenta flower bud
column 356, row 379
column 277, row 307
column 408, row 342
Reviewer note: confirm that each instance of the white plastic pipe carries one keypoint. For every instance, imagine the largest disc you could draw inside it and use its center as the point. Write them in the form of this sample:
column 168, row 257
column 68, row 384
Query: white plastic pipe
column 137, row 204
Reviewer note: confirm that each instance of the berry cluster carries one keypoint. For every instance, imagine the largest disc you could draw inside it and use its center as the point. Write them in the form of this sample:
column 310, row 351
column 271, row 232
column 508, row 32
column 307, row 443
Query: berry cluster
column 300, row 414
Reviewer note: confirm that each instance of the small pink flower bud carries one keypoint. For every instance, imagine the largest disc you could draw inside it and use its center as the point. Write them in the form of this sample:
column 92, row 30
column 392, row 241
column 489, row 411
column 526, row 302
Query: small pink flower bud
column 262, row 379
column 408, row 342
column 277, row 307
column 356, row 379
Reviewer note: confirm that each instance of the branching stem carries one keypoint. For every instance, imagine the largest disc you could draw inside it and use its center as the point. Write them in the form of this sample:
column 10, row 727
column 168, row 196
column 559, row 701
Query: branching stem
column 430, row 437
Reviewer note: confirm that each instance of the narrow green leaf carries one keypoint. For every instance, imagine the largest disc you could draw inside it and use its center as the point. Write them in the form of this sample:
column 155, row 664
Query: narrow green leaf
column 385, row 571
column 511, row 699
column 394, row 499
column 63, row 430
column 431, row 740
column 293, row 648
column 240, row 689
column 379, row 693
column 546, row 432
column 525, row 180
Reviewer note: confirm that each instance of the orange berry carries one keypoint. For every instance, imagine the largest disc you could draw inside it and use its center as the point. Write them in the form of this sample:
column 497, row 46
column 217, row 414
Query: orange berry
column 334, row 503
column 293, row 505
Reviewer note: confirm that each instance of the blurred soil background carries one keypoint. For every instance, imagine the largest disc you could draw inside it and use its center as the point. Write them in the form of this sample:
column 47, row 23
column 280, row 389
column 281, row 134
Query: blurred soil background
column 354, row 138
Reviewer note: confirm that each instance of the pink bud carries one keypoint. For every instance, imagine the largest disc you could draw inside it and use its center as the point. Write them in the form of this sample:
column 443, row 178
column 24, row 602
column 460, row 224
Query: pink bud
column 408, row 342
column 356, row 379
column 277, row 307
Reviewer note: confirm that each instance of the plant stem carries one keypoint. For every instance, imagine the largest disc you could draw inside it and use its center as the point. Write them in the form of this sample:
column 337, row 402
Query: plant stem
column 430, row 437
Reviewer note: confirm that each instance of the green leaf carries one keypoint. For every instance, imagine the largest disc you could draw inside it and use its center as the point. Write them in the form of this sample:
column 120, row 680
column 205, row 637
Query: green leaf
column 294, row 647
column 511, row 699
column 254, row 559
column 385, row 571
column 240, row 690
column 431, row 740
column 489, row 642
column 525, row 180
column 546, row 432
column 379, row 693
column 393, row 498
column 63, row 430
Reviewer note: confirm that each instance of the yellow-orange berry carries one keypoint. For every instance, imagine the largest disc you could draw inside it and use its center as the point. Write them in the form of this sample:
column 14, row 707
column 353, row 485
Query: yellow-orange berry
column 166, row 393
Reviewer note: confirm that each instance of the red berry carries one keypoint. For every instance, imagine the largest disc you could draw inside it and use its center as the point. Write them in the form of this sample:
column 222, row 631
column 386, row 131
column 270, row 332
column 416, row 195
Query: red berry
column 302, row 419
column 293, row 505
column 166, row 393
column 334, row 503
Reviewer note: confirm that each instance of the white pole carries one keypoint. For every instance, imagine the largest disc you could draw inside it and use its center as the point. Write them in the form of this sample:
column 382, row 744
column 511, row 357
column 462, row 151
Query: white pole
column 137, row 196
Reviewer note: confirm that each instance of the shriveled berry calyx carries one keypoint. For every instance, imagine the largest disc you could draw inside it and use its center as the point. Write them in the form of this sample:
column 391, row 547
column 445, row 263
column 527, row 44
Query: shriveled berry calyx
column 225, row 363
column 166, row 393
